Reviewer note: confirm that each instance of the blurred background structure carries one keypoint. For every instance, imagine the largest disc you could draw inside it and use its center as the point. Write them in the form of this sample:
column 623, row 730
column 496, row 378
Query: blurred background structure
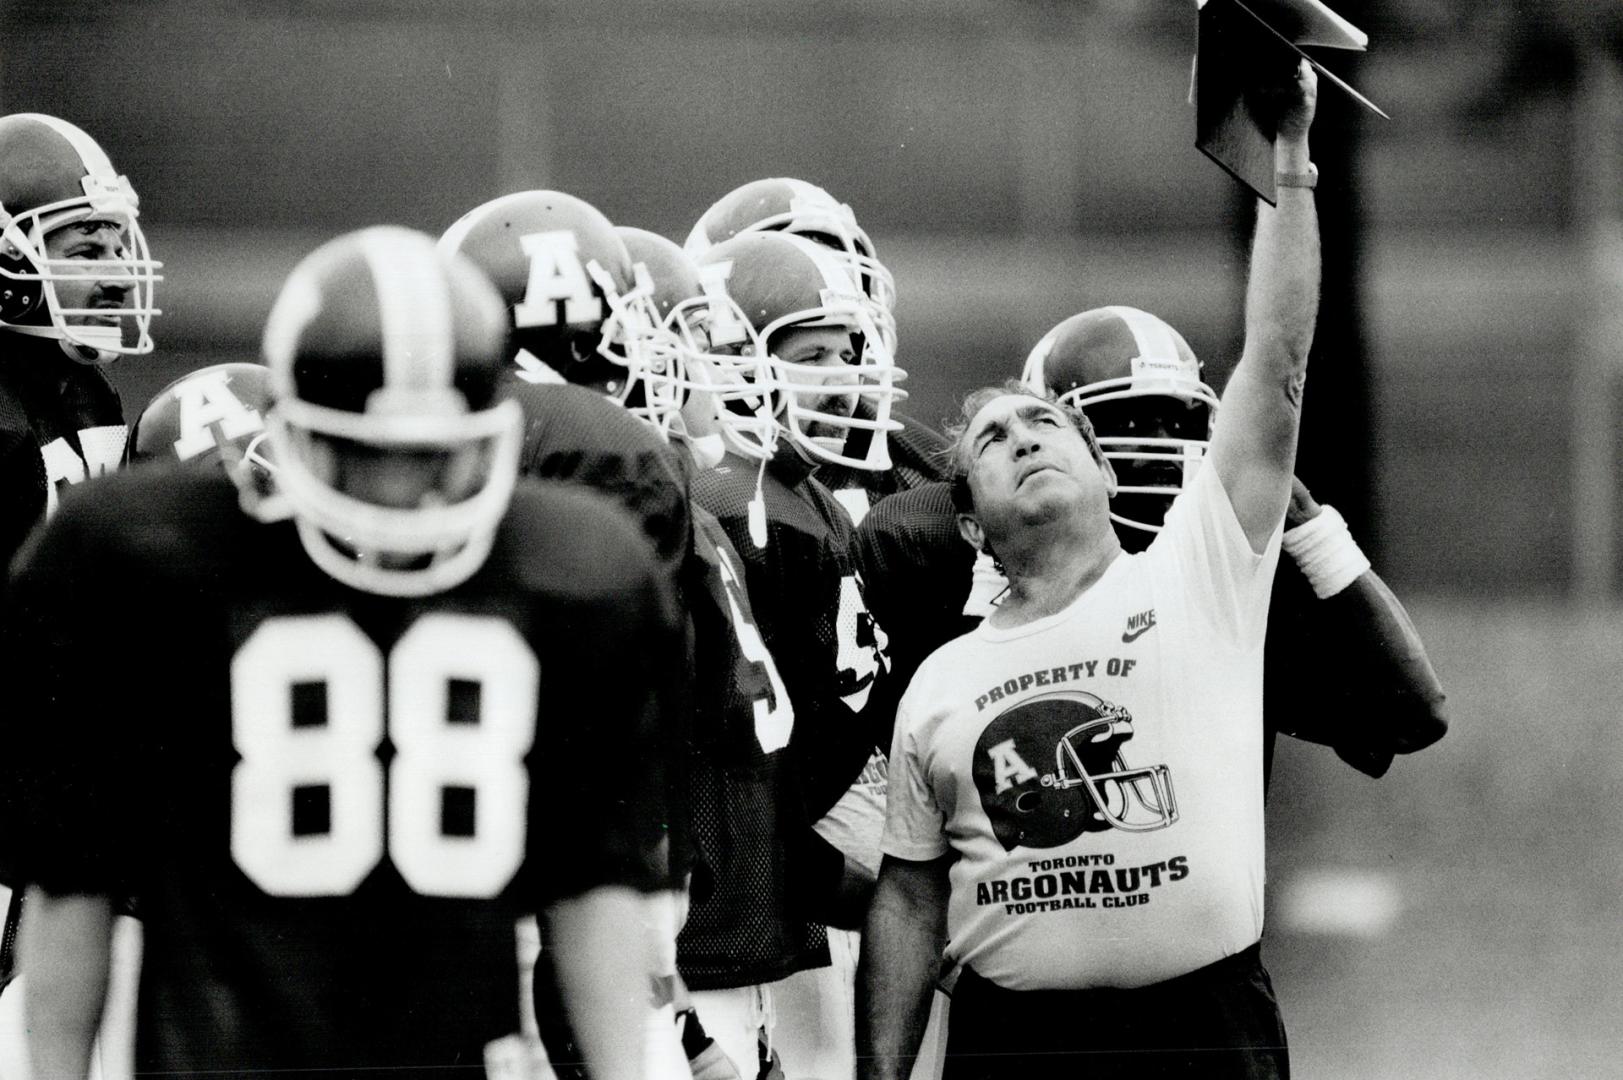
column 1016, row 161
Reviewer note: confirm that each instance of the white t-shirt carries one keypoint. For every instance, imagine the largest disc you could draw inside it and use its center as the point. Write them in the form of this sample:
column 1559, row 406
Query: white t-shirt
column 1153, row 676
column 855, row 822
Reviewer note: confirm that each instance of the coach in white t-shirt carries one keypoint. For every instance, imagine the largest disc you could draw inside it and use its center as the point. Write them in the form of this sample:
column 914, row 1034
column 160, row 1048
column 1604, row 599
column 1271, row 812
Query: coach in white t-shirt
column 1075, row 814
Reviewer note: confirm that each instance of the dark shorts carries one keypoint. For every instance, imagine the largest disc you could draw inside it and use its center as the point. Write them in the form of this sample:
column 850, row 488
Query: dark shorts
column 1220, row 1022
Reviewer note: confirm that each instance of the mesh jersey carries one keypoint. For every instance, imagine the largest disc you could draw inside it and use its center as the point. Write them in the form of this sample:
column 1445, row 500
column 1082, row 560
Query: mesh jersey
column 917, row 569
column 918, row 456
column 807, row 599
column 333, row 805
column 60, row 422
column 575, row 435
column 1333, row 674
column 742, row 927
column 739, row 930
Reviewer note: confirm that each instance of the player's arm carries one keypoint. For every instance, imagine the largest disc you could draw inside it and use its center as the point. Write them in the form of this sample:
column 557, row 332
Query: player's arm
column 20, row 505
column 604, row 957
column 66, row 946
column 1374, row 692
column 1254, row 445
column 828, row 886
column 901, row 950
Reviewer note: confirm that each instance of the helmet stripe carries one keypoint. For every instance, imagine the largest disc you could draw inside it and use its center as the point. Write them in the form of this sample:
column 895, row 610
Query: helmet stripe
column 414, row 309
column 90, row 152
column 1154, row 337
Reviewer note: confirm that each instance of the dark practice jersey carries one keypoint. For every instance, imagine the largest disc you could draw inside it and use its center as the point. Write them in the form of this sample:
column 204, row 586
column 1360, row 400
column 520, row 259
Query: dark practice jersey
column 917, row 570
column 60, row 423
column 744, row 925
column 740, row 929
column 576, row 435
column 1348, row 672
column 333, row 805
column 807, row 598
column 918, row 455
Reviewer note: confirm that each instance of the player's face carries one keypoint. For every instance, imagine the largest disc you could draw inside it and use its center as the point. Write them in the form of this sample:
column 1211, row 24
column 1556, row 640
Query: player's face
column 700, row 423
column 1027, row 462
column 90, row 240
column 402, row 479
column 824, row 355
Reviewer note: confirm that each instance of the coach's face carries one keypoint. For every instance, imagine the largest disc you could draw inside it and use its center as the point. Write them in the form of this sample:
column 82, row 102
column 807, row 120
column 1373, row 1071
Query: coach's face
column 1027, row 464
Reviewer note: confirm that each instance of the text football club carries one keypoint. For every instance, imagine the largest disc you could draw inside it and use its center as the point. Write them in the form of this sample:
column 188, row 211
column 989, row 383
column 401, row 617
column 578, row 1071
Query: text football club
column 1079, row 881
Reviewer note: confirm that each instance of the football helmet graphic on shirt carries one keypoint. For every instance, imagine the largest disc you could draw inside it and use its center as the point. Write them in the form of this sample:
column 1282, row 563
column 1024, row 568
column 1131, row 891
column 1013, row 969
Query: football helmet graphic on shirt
column 1051, row 768
column 53, row 175
column 1139, row 382
column 783, row 204
column 386, row 358
column 782, row 282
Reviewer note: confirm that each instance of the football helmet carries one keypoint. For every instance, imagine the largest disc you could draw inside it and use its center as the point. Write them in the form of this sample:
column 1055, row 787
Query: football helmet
column 214, row 417
column 1051, row 768
column 1139, row 383
column 716, row 351
column 386, row 355
column 783, row 282
column 783, row 204
column 54, row 175
column 579, row 310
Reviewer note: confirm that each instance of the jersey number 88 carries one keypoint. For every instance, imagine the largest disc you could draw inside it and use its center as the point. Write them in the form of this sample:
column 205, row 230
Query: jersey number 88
column 371, row 811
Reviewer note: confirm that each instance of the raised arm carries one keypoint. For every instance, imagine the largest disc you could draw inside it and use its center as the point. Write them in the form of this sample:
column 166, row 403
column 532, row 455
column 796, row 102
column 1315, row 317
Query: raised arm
column 901, row 954
column 1254, row 446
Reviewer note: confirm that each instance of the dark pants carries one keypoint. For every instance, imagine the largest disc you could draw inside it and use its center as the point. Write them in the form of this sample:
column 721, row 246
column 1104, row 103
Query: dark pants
column 1218, row 1022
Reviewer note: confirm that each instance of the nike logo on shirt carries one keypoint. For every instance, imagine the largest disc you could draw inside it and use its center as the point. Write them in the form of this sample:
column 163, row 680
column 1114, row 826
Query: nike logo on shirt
column 1138, row 625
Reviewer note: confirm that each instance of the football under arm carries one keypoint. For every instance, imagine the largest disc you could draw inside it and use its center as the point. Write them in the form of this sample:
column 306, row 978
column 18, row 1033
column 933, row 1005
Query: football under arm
column 1393, row 700
column 605, row 957
column 1254, row 442
column 901, row 956
column 66, row 948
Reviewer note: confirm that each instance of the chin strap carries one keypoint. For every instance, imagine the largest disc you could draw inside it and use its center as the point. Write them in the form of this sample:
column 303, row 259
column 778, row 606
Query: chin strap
column 757, row 509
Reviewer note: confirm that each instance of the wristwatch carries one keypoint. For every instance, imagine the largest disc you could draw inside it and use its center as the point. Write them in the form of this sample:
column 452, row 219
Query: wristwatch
column 1309, row 179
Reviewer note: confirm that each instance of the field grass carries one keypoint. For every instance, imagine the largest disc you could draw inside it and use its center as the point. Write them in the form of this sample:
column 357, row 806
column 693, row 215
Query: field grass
column 1504, row 844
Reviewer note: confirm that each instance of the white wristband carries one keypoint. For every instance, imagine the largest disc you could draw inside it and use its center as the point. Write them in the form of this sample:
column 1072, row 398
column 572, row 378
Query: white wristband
column 1327, row 553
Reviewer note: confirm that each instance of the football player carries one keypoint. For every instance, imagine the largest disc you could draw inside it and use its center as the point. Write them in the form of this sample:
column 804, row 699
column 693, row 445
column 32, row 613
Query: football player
column 824, row 353
column 581, row 364
column 430, row 701
column 76, row 284
column 581, row 327
column 214, row 417
column 870, row 466
column 762, row 865
column 604, row 424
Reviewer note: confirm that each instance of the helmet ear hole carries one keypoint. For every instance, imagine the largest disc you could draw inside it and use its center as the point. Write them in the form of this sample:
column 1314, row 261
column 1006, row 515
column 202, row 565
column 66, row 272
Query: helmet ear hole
column 19, row 299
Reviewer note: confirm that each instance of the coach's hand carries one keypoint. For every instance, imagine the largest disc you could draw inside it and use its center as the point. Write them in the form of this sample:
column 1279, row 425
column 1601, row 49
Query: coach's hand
column 1298, row 99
